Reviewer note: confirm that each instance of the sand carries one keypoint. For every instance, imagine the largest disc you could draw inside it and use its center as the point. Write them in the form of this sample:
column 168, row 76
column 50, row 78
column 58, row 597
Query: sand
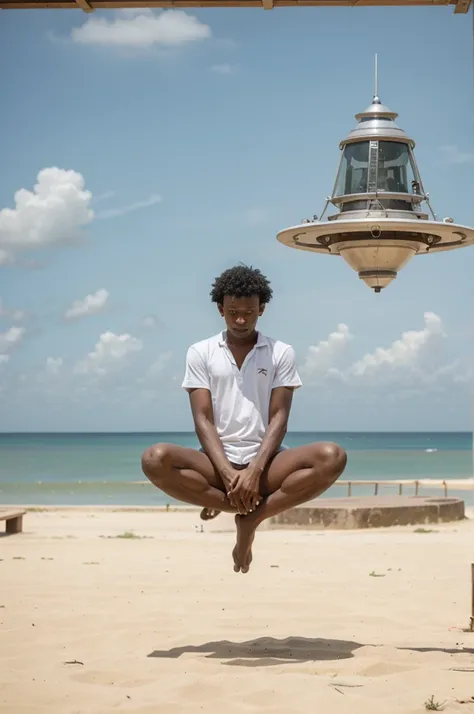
column 362, row 621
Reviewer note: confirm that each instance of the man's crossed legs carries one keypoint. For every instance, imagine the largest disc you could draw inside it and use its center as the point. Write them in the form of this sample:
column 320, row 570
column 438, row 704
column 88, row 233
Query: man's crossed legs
column 292, row 477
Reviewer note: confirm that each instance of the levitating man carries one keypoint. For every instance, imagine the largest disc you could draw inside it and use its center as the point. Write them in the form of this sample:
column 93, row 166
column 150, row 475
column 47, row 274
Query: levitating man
column 241, row 385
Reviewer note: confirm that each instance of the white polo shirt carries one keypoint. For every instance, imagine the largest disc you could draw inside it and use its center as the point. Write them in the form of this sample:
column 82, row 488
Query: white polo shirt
column 240, row 398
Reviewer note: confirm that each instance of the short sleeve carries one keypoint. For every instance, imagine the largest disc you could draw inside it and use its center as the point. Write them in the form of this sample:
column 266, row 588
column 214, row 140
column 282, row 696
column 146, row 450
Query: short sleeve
column 286, row 374
column 196, row 375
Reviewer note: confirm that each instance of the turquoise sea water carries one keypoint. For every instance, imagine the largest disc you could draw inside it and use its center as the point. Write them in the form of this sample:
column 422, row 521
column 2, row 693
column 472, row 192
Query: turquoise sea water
column 104, row 469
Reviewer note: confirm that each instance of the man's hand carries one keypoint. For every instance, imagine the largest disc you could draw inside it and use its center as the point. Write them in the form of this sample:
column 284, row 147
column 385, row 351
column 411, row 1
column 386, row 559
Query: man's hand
column 229, row 478
column 244, row 494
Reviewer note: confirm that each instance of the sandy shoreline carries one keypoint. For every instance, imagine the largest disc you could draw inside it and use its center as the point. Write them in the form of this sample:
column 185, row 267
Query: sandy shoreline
column 95, row 622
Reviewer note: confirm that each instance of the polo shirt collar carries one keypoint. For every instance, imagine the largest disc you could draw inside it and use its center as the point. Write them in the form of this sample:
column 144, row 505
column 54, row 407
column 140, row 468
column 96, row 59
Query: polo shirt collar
column 261, row 339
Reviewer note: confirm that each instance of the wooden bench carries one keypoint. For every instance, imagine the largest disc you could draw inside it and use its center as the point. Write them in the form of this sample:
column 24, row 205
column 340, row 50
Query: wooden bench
column 14, row 520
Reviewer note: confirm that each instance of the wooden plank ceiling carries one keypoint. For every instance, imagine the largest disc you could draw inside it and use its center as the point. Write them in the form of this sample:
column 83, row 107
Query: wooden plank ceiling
column 460, row 6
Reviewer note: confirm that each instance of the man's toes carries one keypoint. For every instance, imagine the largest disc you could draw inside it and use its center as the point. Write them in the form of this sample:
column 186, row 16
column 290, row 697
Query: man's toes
column 245, row 568
column 207, row 514
column 236, row 560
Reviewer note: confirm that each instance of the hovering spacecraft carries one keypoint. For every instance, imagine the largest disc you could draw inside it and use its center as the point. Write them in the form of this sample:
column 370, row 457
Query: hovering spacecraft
column 380, row 224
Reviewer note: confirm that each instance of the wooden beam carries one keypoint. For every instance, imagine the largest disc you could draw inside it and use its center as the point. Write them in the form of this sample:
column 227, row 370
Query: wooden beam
column 267, row 4
column 85, row 5
column 462, row 6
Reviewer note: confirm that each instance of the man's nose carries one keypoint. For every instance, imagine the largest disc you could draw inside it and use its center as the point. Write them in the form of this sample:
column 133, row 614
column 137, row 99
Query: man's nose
column 240, row 320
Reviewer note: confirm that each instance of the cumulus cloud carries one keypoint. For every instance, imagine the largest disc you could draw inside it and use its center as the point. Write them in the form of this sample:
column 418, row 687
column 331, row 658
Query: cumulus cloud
column 142, row 28
column 54, row 364
column 404, row 354
column 412, row 361
column 157, row 367
column 110, row 353
column 52, row 213
column 149, row 321
column 322, row 358
column 11, row 313
column 10, row 339
column 130, row 208
column 90, row 305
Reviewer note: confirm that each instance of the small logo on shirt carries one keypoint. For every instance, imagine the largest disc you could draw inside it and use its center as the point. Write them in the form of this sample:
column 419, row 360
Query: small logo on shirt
column 263, row 371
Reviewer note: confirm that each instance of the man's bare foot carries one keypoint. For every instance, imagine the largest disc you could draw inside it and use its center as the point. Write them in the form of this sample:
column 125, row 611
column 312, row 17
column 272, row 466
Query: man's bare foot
column 207, row 514
column 242, row 553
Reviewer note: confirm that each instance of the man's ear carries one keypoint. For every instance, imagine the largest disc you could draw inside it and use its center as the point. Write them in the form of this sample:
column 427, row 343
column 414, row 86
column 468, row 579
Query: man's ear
column 221, row 309
column 262, row 309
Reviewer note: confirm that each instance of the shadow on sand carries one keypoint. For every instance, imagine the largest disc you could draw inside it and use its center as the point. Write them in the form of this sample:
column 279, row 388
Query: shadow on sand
column 268, row 651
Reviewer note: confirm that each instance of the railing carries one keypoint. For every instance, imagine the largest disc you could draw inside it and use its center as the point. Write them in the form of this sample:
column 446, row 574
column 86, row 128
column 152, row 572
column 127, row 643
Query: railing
column 462, row 484
column 458, row 484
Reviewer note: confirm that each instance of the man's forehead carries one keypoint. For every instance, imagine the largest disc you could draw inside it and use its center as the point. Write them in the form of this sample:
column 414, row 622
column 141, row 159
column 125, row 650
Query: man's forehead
column 241, row 301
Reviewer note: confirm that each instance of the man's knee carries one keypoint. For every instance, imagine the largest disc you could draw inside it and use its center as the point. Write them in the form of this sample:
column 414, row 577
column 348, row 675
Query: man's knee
column 329, row 458
column 156, row 461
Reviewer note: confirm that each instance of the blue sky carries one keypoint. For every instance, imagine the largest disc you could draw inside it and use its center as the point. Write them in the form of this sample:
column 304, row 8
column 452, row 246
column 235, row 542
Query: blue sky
column 192, row 139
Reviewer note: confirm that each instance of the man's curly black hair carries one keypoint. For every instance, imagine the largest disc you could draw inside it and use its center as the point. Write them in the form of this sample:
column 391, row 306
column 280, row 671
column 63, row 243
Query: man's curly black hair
column 241, row 281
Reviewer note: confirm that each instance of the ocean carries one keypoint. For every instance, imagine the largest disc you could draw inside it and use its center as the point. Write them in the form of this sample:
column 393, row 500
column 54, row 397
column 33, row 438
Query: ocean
column 104, row 468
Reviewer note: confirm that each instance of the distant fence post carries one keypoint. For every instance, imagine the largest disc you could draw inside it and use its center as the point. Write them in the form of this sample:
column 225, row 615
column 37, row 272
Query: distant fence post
column 472, row 598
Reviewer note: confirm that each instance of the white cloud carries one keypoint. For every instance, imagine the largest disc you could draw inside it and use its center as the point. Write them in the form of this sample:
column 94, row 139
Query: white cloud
column 4, row 359
column 412, row 362
column 415, row 357
column 321, row 359
column 15, row 315
column 453, row 155
column 110, row 352
column 11, row 338
column 52, row 213
column 114, row 212
column 157, row 367
column 90, row 305
column 150, row 321
column 404, row 353
column 54, row 364
column 142, row 29
column 224, row 68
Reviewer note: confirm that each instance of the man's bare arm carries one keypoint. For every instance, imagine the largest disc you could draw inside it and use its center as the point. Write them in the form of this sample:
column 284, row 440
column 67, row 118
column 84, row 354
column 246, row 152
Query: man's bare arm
column 203, row 415
column 279, row 413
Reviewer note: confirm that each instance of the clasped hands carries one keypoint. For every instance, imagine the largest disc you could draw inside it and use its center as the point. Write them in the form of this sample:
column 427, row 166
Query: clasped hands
column 242, row 489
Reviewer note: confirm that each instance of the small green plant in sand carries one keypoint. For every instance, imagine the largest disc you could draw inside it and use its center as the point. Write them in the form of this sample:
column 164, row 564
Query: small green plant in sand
column 424, row 530
column 431, row 705
column 129, row 535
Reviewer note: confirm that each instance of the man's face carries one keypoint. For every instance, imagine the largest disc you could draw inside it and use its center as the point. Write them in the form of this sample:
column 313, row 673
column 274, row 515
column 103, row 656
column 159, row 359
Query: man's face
column 241, row 314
